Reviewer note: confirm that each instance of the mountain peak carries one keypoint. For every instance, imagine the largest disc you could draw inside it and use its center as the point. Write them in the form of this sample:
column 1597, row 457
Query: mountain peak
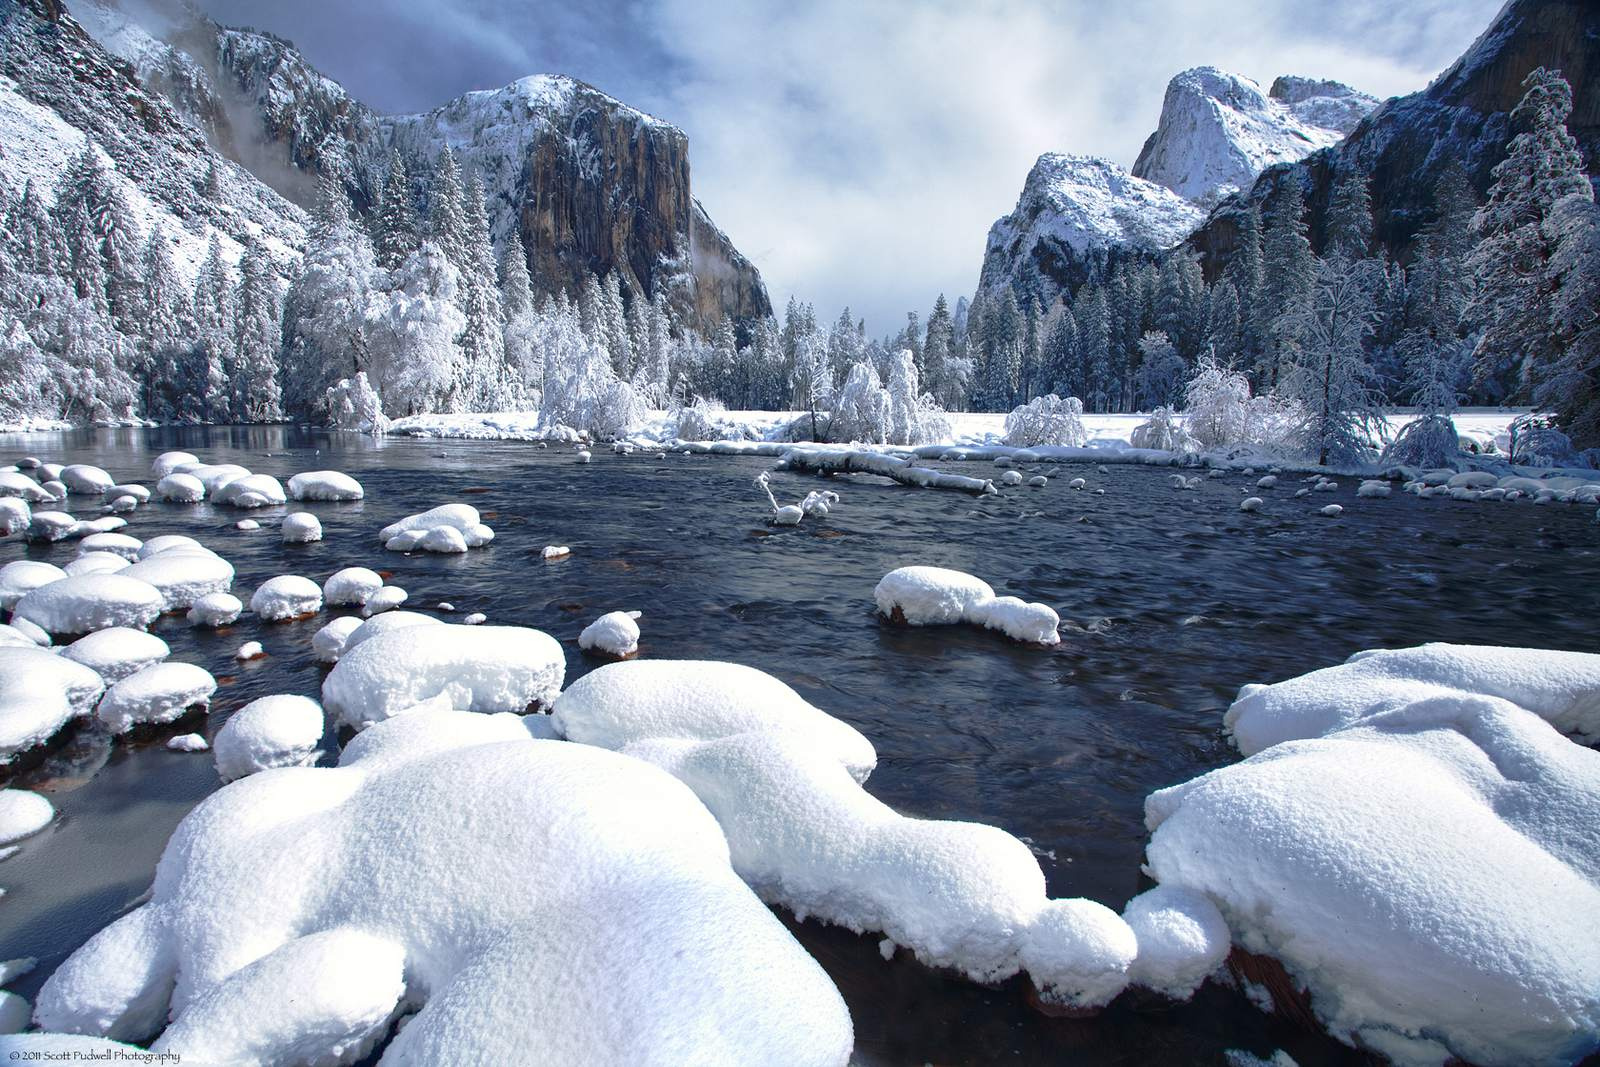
column 1219, row 130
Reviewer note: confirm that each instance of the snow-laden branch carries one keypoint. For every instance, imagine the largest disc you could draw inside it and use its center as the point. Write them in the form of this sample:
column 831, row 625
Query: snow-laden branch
column 846, row 461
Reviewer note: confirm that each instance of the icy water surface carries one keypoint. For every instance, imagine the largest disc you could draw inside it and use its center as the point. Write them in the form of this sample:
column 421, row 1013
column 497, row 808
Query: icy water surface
column 1170, row 600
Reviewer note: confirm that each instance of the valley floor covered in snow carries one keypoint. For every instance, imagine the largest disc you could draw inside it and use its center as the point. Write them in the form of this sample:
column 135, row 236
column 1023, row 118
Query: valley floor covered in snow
column 491, row 751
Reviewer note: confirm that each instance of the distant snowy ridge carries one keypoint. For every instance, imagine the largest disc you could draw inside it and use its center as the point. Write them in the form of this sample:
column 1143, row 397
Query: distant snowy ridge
column 1219, row 130
column 1072, row 207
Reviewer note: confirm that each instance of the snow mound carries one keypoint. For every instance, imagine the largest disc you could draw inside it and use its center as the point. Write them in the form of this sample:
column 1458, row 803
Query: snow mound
column 53, row 526
column 250, row 650
column 1418, row 844
column 183, row 575
column 23, row 576
column 325, row 485
column 117, row 652
column 288, row 596
column 484, row 668
column 389, row 620
column 181, row 489
column 215, row 609
column 329, row 642
column 23, row 488
column 86, row 480
column 15, row 516
column 698, row 700
column 23, row 813
column 1373, row 488
column 272, row 731
column 301, row 528
column 90, row 602
column 590, row 873
column 167, row 543
column 188, row 743
column 140, row 493
column 385, row 599
column 615, row 633
column 168, row 462
column 460, row 516
column 803, row 833
column 1183, row 939
column 250, row 491
column 156, row 694
column 97, row 563
column 40, row 692
column 120, row 544
column 352, row 585
column 936, row 596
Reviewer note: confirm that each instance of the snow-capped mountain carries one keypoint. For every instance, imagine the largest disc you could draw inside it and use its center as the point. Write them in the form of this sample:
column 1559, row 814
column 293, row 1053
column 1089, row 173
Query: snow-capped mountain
column 591, row 184
column 59, row 87
column 1072, row 212
column 1219, row 130
column 1463, row 117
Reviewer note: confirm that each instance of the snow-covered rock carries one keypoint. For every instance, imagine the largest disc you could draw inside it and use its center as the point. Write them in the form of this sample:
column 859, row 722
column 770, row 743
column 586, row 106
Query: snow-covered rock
column 327, row 645
column 285, row 924
column 117, row 652
column 615, row 633
column 167, row 543
column 802, row 832
column 85, row 479
column 387, row 598
column 1218, row 131
column 181, row 489
column 183, row 575
column 288, row 596
column 168, row 462
column 53, row 526
column 937, row 596
column 270, row 731
column 23, row 813
column 156, row 694
column 22, row 576
column 188, row 743
column 389, row 620
column 325, row 485
column 702, row 699
column 23, row 488
column 250, row 491
column 445, row 540
column 140, row 493
column 15, row 515
column 90, row 602
column 215, row 609
column 40, row 692
column 1418, row 844
column 249, row 650
column 483, row 668
column 352, row 585
column 302, row 528
column 460, row 516
column 119, row 543
column 1182, row 936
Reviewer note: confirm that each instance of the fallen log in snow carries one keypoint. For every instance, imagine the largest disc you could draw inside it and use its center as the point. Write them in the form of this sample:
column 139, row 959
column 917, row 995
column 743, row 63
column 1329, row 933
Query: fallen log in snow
column 846, row 461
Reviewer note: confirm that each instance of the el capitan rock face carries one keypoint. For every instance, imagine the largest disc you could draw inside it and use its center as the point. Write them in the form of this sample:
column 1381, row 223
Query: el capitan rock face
column 590, row 183
column 1463, row 116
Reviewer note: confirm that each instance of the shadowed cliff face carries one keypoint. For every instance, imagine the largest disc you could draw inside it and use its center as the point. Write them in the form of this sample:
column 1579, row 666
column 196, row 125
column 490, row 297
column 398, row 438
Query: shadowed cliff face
column 1405, row 145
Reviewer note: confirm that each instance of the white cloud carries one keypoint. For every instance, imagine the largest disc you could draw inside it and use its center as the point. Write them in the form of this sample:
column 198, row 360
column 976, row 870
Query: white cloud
column 858, row 152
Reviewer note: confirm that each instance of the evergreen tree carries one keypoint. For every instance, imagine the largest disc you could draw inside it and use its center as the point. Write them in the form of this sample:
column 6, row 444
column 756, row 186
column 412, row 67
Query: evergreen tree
column 395, row 229
column 447, row 211
column 1031, row 374
column 614, row 325
column 1224, row 327
column 1244, row 274
column 326, row 329
column 257, row 396
column 1349, row 221
column 1062, row 372
column 1161, row 372
column 39, row 243
column 214, row 359
column 168, row 333
column 1094, row 341
column 524, row 353
column 1288, row 275
column 1512, row 259
column 1002, row 342
column 1569, row 384
column 936, row 350
column 1330, row 375
column 484, row 383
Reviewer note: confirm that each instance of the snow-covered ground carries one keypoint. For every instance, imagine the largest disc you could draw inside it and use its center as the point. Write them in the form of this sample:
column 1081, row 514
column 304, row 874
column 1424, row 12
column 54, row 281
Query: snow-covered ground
column 1108, row 433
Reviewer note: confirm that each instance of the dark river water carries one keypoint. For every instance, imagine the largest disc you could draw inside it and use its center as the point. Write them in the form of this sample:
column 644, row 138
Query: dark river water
column 1170, row 601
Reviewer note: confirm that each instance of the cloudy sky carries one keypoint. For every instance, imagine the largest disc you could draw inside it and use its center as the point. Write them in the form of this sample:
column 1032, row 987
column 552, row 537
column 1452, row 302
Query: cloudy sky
column 858, row 150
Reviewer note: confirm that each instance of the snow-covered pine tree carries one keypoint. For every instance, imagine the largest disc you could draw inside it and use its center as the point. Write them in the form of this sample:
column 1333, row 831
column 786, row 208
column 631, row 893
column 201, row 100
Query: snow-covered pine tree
column 1224, row 325
column 524, row 354
column 1094, row 339
column 1161, row 371
column 1512, row 259
column 813, row 377
column 1349, row 219
column 414, row 358
column 168, row 333
column 1569, row 384
column 1288, row 278
column 325, row 315
column 40, row 246
column 447, row 213
column 1330, row 374
column 258, row 309
column 938, row 340
column 845, row 345
column 214, row 357
column 484, row 384
column 396, row 231
column 1002, row 343
column 1244, row 274
column 1062, row 373
column 614, row 324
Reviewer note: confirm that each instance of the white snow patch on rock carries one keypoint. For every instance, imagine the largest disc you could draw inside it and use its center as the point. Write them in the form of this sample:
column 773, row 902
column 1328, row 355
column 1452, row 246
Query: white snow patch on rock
column 935, row 596
column 156, row 694
column 352, row 585
column 325, row 485
column 22, row 576
column 90, row 602
column 23, row 813
column 183, row 575
column 117, row 652
column 288, row 596
column 215, row 609
column 301, row 528
column 328, row 643
column 40, row 692
column 271, row 731
column 615, row 633
column 385, row 599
